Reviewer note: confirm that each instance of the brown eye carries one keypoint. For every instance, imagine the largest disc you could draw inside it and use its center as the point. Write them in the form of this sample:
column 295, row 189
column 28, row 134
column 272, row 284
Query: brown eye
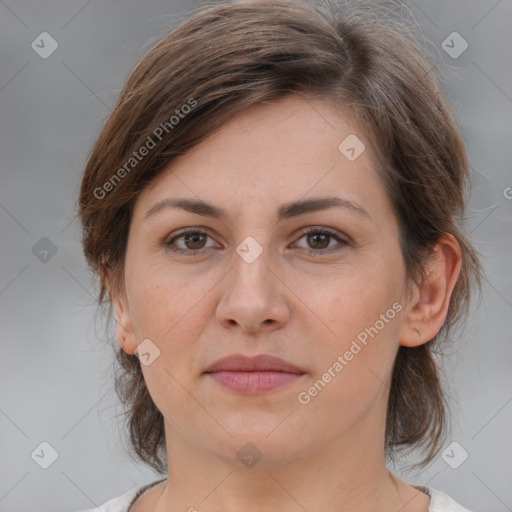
column 190, row 242
column 319, row 241
column 194, row 241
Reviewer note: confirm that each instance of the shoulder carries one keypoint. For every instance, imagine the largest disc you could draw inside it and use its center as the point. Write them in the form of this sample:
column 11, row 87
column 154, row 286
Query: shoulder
column 441, row 502
column 118, row 504
column 121, row 503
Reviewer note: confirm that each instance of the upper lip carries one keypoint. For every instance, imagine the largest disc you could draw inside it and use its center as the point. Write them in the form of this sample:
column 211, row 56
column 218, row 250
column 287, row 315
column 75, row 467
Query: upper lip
column 262, row 362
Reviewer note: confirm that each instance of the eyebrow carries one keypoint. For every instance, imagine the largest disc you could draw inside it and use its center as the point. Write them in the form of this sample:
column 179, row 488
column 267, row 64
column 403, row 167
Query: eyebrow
column 285, row 211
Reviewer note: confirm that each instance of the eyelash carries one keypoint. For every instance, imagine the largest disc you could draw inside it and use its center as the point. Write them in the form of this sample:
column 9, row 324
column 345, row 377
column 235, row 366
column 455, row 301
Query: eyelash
column 311, row 252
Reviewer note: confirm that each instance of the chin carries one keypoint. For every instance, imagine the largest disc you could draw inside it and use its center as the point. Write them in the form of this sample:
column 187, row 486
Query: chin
column 261, row 435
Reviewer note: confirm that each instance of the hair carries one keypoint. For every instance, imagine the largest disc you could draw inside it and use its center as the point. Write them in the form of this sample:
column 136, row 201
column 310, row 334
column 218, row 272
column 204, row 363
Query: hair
column 228, row 57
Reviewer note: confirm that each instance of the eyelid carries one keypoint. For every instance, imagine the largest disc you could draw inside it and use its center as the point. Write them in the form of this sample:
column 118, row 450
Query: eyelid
column 324, row 229
column 185, row 231
column 342, row 239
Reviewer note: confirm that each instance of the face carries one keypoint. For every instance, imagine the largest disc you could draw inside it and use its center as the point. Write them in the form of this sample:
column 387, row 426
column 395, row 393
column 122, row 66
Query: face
column 267, row 271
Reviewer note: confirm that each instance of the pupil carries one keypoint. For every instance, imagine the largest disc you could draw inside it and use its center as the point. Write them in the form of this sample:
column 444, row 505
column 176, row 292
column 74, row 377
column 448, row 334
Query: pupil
column 190, row 237
column 322, row 236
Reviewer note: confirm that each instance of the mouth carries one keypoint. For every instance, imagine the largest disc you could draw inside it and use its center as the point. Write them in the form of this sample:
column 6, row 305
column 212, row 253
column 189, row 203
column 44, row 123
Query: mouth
column 253, row 375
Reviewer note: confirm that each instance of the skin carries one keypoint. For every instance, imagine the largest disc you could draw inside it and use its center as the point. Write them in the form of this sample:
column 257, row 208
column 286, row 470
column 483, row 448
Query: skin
column 305, row 308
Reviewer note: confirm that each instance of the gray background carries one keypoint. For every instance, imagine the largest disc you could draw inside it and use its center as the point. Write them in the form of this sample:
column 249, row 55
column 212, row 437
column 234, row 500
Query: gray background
column 55, row 368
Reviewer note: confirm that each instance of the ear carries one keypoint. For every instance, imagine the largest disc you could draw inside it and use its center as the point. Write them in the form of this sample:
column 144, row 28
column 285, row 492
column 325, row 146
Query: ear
column 428, row 307
column 124, row 326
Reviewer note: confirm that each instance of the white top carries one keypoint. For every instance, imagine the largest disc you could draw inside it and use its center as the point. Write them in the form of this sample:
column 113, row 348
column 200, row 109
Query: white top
column 439, row 501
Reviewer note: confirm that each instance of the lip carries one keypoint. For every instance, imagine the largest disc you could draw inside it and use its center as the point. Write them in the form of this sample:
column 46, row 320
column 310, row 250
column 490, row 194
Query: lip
column 261, row 362
column 253, row 375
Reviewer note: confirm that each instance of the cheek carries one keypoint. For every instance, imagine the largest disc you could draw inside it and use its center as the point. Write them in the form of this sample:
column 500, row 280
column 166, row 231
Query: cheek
column 354, row 302
column 172, row 310
column 355, row 355
column 163, row 299
column 353, row 382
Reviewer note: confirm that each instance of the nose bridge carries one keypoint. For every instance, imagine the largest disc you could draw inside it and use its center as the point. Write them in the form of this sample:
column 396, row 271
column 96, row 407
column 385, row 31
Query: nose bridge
column 251, row 264
column 251, row 297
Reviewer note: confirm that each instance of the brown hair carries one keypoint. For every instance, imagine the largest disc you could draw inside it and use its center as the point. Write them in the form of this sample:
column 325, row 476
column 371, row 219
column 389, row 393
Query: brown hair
column 228, row 57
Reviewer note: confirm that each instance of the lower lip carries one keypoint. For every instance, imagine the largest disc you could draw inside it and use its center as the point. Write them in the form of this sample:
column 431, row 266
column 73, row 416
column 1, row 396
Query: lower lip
column 254, row 382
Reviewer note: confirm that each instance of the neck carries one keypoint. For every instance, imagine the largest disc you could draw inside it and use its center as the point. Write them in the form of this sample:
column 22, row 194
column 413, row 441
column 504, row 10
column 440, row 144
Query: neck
column 343, row 476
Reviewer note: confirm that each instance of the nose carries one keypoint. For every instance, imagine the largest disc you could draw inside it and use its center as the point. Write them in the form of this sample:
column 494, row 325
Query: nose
column 253, row 297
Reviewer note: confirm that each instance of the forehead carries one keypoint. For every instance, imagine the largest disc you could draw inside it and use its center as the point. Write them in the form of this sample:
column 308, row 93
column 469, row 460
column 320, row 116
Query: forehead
column 273, row 153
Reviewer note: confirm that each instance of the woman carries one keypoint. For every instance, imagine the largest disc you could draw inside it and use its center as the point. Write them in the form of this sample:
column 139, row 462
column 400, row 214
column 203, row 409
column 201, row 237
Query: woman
column 271, row 208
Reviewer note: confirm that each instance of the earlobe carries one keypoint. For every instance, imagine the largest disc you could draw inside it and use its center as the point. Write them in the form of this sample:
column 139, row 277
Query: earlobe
column 124, row 334
column 429, row 302
column 124, row 327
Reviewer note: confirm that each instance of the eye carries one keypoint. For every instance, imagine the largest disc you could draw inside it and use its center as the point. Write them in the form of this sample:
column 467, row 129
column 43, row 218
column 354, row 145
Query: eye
column 319, row 240
column 193, row 242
